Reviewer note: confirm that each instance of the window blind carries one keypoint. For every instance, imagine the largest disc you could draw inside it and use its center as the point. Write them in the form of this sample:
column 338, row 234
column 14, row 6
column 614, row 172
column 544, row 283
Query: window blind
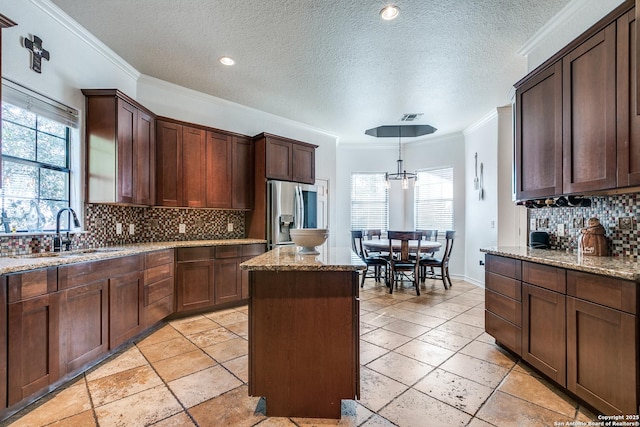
column 15, row 94
column 434, row 200
column 369, row 201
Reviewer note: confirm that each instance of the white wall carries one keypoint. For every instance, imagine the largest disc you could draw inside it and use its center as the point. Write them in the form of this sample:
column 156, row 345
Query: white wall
column 381, row 156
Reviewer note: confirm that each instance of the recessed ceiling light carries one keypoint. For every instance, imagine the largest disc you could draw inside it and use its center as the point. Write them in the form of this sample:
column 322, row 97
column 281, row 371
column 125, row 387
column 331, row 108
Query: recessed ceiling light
column 389, row 12
column 227, row 61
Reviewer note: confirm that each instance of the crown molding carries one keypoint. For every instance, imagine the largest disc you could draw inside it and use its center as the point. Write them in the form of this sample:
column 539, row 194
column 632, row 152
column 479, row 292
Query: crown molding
column 483, row 121
column 561, row 18
column 79, row 31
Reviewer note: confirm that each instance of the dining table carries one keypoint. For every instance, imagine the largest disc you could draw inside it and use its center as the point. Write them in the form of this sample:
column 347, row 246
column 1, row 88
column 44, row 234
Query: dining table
column 382, row 245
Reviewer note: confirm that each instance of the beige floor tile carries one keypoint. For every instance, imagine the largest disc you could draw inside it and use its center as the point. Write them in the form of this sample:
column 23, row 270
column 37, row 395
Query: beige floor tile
column 140, row 409
column 502, row 409
column 386, row 300
column 190, row 391
column 467, row 300
column 424, row 319
column 117, row 386
column 461, row 329
column 181, row 419
column 377, row 390
column 166, row 349
column 445, row 339
column 369, row 352
column 458, row 392
column 210, row 337
column 585, row 415
column 239, row 367
column 183, row 364
column 453, row 307
column 365, row 327
column 425, row 352
column 470, row 319
column 538, row 391
column 401, row 368
column 228, row 350
column 129, row 359
column 374, row 304
column 489, row 352
column 227, row 317
column 476, row 311
column 477, row 422
column 485, row 337
column 277, row 422
column 243, row 309
column 395, row 312
column 442, row 313
column 417, row 409
column 376, row 319
column 477, row 370
column 165, row 333
column 378, row 421
column 83, row 419
column 241, row 328
column 60, row 405
column 195, row 325
column 234, row 408
column 385, row 339
column 405, row 328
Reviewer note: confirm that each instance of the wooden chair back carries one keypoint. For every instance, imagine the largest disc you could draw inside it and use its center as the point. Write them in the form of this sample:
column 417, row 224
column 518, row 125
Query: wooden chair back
column 356, row 243
column 430, row 235
column 450, row 236
column 369, row 234
column 403, row 255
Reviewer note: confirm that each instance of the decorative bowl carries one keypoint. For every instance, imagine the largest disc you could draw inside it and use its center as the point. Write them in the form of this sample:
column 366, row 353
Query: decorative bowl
column 308, row 239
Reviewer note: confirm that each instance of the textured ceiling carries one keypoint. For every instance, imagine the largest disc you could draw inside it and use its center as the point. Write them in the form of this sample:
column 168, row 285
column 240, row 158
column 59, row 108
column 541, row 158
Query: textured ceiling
column 332, row 64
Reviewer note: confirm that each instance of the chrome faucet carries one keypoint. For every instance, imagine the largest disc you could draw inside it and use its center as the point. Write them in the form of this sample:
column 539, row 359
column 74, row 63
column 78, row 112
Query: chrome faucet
column 58, row 241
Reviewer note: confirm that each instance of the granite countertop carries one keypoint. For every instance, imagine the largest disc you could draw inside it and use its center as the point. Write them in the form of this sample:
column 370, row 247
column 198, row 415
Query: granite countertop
column 620, row 267
column 17, row 263
column 287, row 258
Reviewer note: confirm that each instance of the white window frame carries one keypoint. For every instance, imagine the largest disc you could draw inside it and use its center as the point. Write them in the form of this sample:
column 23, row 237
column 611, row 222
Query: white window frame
column 369, row 199
column 434, row 188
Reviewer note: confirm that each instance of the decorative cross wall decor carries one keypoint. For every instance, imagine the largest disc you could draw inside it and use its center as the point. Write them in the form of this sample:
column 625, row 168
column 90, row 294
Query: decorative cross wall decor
column 37, row 53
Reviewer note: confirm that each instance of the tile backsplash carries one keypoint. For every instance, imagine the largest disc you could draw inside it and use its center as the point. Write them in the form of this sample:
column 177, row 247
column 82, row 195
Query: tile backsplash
column 618, row 214
column 151, row 224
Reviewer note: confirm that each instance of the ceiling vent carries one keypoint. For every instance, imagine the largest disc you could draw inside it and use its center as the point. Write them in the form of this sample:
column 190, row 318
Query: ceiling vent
column 409, row 117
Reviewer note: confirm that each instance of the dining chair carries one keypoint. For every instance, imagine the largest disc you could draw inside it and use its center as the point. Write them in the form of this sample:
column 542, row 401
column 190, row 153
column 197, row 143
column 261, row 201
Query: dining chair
column 441, row 263
column 404, row 260
column 371, row 234
column 428, row 235
column 378, row 263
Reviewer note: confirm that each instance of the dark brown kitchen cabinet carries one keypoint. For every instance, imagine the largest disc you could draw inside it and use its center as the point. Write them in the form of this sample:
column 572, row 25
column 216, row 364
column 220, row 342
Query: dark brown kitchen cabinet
column 242, row 155
column 503, row 301
column 538, row 150
column 227, row 280
column 4, row 23
column 602, row 345
column 33, row 350
column 194, row 278
column 3, row 343
column 158, row 285
column 120, row 135
column 287, row 159
column 181, row 165
column 84, row 331
column 126, row 307
column 248, row 252
column 589, row 114
column 219, row 166
column 627, row 103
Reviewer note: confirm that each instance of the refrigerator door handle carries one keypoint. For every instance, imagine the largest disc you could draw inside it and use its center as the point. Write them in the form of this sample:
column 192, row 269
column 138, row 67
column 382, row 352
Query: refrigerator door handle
column 299, row 220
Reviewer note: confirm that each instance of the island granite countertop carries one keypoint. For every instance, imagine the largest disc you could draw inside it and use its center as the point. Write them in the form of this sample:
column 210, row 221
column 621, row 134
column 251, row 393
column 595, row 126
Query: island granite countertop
column 18, row 263
column 620, row 267
column 287, row 258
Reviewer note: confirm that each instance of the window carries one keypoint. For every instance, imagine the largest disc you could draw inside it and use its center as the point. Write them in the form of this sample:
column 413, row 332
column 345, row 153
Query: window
column 434, row 200
column 35, row 161
column 369, row 201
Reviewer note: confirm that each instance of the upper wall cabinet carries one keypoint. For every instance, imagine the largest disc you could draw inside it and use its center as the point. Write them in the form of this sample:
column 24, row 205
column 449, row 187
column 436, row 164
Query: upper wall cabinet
column 201, row 167
column 120, row 136
column 573, row 129
column 288, row 159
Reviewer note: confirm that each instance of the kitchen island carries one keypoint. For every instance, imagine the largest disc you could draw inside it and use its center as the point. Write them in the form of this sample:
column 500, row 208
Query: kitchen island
column 304, row 330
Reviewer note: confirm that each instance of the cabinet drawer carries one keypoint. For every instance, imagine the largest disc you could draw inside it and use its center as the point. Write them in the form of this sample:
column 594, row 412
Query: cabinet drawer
column 608, row 291
column 87, row 272
column 157, row 291
column 505, row 333
column 230, row 251
column 506, row 286
column 508, row 267
column 160, row 272
column 157, row 258
column 253, row 249
column 31, row 284
column 545, row 276
column 159, row 310
column 194, row 254
column 504, row 307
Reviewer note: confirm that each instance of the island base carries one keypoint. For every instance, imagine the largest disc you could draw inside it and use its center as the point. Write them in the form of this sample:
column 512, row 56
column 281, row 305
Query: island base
column 304, row 341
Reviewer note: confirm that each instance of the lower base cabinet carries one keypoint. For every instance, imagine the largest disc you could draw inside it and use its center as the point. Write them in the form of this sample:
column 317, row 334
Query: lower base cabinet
column 126, row 309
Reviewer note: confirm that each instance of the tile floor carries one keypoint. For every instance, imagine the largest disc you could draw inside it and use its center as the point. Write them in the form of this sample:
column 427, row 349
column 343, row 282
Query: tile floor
column 425, row 361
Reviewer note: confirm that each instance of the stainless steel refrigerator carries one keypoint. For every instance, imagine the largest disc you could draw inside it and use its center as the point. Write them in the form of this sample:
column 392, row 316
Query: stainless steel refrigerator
column 289, row 205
